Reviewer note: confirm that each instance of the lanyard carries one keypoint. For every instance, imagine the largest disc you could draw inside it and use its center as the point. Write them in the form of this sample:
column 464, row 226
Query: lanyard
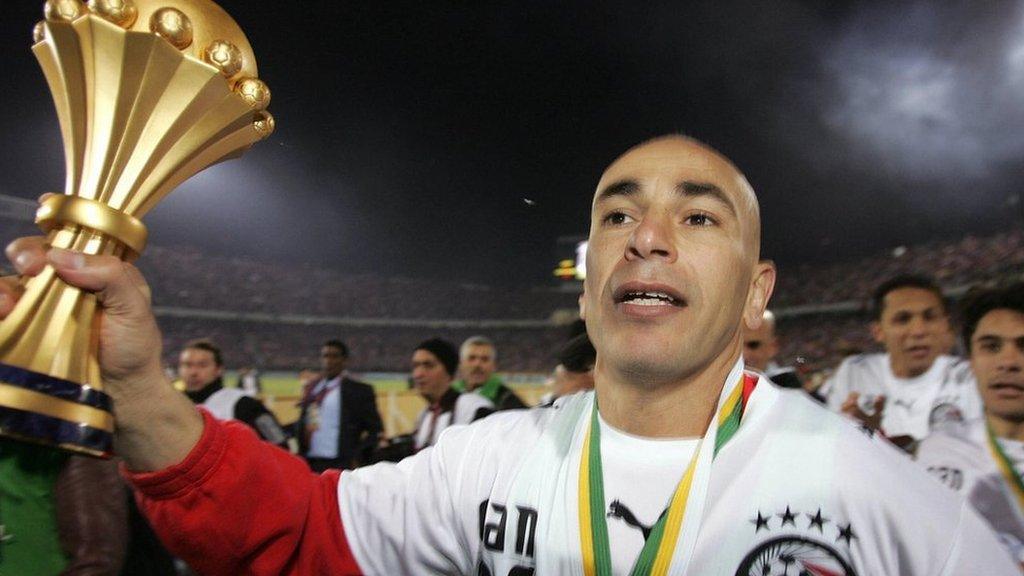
column 656, row 555
column 1006, row 468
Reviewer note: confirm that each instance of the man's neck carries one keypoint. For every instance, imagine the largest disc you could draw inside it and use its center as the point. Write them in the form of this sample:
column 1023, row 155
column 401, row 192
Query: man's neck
column 1005, row 427
column 905, row 372
column 669, row 410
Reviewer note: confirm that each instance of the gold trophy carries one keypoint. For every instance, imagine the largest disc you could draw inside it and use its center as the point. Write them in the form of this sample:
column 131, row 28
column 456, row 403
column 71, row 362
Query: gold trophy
column 148, row 92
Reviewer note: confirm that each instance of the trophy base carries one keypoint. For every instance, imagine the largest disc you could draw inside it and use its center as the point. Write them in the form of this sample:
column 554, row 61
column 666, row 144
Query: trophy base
column 32, row 406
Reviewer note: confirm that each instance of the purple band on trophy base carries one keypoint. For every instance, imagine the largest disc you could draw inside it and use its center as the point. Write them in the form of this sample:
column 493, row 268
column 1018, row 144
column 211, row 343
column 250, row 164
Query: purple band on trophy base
column 42, row 429
column 56, row 387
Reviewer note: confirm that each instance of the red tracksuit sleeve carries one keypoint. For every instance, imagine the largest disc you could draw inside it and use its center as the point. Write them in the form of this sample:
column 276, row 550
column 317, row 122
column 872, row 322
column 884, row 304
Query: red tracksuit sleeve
column 237, row 505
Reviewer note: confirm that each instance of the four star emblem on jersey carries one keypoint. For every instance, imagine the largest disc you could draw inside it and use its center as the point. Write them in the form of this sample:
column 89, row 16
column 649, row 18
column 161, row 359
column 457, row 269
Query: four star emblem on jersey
column 808, row 547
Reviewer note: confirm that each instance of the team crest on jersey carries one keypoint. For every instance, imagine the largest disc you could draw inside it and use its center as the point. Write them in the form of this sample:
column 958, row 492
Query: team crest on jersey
column 798, row 543
column 794, row 556
column 945, row 413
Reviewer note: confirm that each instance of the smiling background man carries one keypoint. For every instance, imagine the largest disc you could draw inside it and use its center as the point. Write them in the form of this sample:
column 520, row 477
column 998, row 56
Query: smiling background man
column 915, row 386
column 691, row 465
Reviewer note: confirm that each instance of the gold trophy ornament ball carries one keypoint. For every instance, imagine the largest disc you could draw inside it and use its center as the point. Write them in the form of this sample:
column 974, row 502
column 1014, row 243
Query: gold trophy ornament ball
column 264, row 124
column 120, row 12
column 172, row 25
column 39, row 32
column 63, row 10
column 255, row 93
column 224, row 56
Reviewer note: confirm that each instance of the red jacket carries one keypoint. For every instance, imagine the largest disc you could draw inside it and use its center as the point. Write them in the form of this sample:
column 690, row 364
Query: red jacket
column 237, row 505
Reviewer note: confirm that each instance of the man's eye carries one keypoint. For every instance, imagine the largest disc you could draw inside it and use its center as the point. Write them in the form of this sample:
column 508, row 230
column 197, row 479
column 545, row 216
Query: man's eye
column 991, row 347
column 616, row 218
column 700, row 219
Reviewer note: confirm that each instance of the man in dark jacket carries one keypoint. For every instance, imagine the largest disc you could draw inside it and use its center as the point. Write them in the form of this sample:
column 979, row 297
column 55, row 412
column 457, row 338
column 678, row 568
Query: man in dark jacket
column 339, row 424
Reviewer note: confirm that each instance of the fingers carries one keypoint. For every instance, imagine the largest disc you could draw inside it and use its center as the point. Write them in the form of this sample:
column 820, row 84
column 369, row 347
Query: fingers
column 10, row 290
column 851, row 402
column 28, row 255
column 879, row 404
column 119, row 286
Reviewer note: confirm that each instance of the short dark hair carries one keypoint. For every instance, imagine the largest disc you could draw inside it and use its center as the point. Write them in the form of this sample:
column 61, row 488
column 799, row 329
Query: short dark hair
column 445, row 352
column 578, row 354
column 978, row 302
column 919, row 281
column 338, row 344
column 207, row 345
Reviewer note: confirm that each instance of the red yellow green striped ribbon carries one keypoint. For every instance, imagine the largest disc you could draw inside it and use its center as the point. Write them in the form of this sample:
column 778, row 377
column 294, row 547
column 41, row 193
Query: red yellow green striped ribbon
column 1006, row 468
column 656, row 555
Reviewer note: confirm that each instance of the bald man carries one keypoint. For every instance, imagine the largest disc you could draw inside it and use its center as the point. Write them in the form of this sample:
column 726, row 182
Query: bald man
column 690, row 466
column 760, row 346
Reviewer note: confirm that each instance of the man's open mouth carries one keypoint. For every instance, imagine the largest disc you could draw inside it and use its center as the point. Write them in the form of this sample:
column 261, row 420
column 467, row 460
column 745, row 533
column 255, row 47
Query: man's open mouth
column 648, row 296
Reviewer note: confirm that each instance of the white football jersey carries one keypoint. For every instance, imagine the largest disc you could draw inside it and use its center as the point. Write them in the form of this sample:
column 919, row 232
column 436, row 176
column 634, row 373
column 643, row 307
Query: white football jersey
column 945, row 394
column 959, row 456
column 796, row 491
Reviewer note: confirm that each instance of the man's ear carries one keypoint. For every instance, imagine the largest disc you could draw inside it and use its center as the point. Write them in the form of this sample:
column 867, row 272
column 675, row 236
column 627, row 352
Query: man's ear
column 761, row 288
column 583, row 305
column 876, row 331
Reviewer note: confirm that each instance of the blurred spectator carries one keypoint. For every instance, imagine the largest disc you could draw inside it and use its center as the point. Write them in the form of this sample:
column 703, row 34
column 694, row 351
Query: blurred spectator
column 759, row 350
column 339, row 425
column 575, row 370
column 201, row 368
column 434, row 365
column 914, row 386
column 59, row 513
column 984, row 459
column 477, row 363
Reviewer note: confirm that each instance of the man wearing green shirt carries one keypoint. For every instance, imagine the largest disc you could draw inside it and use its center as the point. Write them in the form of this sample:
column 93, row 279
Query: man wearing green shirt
column 477, row 363
column 29, row 542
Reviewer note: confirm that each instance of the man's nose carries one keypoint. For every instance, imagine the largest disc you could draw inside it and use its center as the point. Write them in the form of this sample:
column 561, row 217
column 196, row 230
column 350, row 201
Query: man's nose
column 652, row 238
column 917, row 326
column 1011, row 359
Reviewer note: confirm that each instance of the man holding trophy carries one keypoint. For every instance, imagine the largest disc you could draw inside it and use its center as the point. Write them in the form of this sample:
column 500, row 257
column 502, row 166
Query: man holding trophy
column 733, row 475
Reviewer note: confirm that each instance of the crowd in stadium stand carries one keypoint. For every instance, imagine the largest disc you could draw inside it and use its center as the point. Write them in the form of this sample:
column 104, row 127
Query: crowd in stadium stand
column 953, row 264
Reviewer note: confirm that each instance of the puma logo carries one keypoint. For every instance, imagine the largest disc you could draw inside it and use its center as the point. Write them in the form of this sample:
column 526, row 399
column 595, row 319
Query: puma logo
column 905, row 404
column 618, row 510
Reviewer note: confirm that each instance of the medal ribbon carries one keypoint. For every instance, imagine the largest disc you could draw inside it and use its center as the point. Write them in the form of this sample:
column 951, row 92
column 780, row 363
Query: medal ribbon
column 1006, row 468
column 656, row 555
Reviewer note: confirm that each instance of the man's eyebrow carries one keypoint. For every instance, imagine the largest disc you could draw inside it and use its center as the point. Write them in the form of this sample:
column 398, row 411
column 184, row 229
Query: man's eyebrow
column 692, row 189
column 620, row 188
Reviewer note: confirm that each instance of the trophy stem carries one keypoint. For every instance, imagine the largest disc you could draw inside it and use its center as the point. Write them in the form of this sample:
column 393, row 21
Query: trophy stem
column 49, row 354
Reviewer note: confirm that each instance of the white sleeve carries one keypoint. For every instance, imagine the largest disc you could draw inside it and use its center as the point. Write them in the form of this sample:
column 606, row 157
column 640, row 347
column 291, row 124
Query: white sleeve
column 401, row 518
column 977, row 550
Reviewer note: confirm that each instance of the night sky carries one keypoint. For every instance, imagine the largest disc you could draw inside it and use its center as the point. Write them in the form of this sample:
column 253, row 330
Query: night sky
column 460, row 139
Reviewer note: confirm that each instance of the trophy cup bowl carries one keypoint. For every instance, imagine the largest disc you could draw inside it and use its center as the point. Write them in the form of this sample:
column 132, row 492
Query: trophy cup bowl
column 148, row 93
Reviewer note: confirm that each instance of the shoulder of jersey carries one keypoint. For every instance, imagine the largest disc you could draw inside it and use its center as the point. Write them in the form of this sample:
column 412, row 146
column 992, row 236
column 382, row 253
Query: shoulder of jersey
column 960, row 369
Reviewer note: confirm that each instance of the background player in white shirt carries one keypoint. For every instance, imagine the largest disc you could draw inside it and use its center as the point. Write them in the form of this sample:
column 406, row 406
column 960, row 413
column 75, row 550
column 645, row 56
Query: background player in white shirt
column 915, row 385
column 773, row 485
column 984, row 458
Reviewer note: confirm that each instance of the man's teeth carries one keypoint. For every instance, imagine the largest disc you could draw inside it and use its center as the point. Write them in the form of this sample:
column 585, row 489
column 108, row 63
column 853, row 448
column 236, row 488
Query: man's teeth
column 649, row 299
